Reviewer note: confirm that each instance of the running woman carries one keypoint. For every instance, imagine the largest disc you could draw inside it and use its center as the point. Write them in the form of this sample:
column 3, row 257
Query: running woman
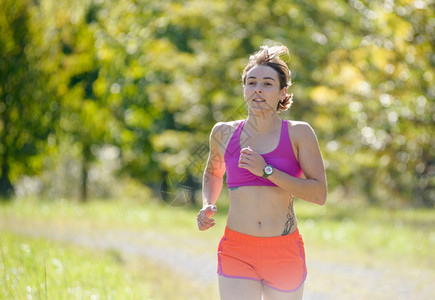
column 268, row 162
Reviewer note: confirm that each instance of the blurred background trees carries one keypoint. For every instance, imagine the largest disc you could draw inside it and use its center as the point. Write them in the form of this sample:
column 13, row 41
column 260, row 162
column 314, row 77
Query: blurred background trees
column 103, row 97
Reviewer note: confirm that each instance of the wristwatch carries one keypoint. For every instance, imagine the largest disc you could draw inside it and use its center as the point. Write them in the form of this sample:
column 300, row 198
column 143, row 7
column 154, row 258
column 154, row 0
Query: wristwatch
column 267, row 171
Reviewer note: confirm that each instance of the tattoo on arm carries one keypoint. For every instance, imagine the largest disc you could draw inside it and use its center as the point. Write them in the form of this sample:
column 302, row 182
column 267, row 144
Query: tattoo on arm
column 290, row 219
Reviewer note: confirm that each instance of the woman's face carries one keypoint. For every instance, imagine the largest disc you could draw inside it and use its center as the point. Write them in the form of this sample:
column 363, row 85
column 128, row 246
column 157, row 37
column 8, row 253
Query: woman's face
column 262, row 90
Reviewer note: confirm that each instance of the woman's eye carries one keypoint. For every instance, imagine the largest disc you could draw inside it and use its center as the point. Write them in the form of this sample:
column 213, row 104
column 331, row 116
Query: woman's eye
column 268, row 84
column 251, row 83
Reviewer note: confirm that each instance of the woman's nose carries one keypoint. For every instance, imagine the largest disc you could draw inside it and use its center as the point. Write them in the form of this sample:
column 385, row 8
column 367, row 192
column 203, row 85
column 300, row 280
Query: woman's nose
column 258, row 89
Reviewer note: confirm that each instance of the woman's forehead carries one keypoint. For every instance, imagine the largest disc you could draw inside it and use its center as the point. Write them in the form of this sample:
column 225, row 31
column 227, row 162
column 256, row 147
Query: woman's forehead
column 261, row 71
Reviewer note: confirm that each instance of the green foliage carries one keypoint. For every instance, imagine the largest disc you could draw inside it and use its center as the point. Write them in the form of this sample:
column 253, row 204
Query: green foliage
column 385, row 91
column 27, row 109
column 152, row 77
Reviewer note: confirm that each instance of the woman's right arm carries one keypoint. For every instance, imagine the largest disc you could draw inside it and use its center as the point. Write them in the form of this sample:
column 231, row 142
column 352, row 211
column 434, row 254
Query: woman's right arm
column 212, row 181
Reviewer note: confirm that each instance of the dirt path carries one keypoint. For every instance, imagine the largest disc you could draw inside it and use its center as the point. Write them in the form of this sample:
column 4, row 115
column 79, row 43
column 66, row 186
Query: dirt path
column 327, row 279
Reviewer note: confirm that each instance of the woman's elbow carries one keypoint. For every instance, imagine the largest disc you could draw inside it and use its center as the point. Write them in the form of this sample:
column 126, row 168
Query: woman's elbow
column 321, row 201
column 321, row 196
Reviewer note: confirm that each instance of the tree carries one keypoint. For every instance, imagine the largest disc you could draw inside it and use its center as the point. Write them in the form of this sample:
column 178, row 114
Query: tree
column 26, row 109
column 381, row 75
column 84, row 113
column 152, row 77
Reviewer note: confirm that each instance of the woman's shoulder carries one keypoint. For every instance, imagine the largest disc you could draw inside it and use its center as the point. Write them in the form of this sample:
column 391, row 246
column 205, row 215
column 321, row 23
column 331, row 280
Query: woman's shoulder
column 298, row 125
column 228, row 126
column 299, row 129
column 222, row 133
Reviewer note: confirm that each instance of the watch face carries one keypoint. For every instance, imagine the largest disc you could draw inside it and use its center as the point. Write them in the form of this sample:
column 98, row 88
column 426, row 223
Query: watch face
column 268, row 170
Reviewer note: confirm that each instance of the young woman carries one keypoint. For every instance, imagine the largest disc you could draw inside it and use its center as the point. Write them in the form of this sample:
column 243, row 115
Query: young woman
column 262, row 253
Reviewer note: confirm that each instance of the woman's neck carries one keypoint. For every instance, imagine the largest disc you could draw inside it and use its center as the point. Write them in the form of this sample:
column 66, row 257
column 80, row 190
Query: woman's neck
column 263, row 123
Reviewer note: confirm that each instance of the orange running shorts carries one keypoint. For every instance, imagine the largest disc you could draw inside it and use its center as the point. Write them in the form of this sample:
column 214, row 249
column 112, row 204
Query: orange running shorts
column 278, row 262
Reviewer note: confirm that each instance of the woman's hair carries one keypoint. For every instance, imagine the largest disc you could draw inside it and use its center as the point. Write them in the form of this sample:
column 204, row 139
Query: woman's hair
column 271, row 57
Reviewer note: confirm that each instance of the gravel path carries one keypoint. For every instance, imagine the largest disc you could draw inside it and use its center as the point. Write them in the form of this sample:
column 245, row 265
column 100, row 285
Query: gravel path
column 327, row 279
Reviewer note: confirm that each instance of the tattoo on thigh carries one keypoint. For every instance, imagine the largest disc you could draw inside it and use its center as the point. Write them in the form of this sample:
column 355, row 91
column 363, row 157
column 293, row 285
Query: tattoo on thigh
column 290, row 219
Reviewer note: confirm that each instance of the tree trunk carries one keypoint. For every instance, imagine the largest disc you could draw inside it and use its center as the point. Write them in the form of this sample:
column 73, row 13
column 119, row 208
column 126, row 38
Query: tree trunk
column 6, row 187
column 85, row 172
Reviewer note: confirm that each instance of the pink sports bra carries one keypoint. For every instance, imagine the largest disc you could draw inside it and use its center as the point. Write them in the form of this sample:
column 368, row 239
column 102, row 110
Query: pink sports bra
column 282, row 158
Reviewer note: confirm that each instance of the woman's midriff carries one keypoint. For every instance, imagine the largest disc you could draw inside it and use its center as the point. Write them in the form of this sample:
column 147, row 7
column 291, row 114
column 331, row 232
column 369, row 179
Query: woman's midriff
column 262, row 211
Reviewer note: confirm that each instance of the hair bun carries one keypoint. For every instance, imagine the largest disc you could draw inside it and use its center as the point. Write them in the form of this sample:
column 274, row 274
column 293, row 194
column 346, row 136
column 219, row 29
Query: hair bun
column 278, row 52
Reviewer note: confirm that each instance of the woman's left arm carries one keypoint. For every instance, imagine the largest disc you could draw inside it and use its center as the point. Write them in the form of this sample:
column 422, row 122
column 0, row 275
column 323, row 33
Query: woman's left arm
column 312, row 188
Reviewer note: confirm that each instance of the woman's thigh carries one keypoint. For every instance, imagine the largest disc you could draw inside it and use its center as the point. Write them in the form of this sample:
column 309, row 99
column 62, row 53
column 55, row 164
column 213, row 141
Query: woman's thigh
column 236, row 289
column 273, row 294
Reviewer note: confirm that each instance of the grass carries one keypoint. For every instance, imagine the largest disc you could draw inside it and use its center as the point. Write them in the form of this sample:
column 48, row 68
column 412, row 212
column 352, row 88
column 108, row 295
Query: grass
column 35, row 268
column 112, row 214
column 44, row 269
column 337, row 232
column 39, row 269
column 362, row 232
column 353, row 227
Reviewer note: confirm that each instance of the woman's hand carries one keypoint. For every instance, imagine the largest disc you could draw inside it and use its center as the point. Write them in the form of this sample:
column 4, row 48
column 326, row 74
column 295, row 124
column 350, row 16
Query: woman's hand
column 251, row 161
column 203, row 217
